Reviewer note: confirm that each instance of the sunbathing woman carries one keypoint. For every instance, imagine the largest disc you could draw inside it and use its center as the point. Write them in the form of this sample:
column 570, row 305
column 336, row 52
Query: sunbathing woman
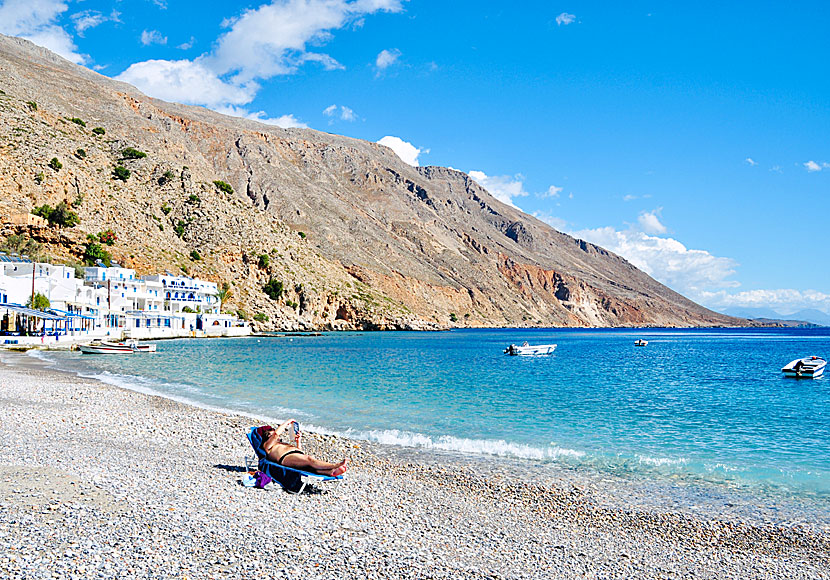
column 290, row 455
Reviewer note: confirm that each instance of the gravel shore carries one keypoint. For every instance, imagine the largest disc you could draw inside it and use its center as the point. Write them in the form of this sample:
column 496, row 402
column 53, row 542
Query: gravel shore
column 102, row 482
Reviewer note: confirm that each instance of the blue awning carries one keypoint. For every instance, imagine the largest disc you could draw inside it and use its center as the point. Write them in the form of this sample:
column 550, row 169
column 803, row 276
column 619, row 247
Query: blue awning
column 32, row 312
column 66, row 314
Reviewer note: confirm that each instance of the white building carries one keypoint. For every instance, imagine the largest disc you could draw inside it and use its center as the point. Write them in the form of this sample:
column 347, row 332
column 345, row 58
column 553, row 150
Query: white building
column 109, row 302
column 183, row 294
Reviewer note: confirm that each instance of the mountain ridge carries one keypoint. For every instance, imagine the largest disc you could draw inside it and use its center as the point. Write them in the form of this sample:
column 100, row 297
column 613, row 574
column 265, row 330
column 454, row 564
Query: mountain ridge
column 356, row 237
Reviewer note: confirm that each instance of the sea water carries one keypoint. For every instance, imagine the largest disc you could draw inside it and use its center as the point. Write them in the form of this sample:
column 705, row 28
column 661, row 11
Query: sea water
column 697, row 407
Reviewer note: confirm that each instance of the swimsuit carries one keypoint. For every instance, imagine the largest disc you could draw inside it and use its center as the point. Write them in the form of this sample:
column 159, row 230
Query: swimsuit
column 287, row 453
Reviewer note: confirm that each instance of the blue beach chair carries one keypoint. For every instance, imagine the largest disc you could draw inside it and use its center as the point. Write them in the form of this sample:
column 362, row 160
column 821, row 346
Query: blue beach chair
column 292, row 480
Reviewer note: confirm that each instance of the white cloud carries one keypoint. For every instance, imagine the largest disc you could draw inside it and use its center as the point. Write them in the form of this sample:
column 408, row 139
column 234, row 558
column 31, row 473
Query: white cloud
column 751, row 161
column 92, row 18
column 650, row 222
column 35, row 20
column 387, row 58
column 812, row 166
column 785, row 301
column 272, row 39
column 187, row 45
column 344, row 114
column 565, row 19
column 552, row 191
column 149, row 37
column 261, row 43
column 285, row 121
column 552, row 220
column 186, row 81
column 690, row 272
column 406, row 151
column 503, row 187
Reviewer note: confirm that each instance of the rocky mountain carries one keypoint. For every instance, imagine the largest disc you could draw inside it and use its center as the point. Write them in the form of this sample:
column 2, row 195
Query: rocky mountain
column 353, row 236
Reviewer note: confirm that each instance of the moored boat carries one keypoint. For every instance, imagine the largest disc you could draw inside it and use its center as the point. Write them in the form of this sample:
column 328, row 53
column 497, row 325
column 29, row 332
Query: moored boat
column 105, row 348
column 133, row 344
column 527, row 349
column 640, row 342
column 109, row 347
column 807, row 368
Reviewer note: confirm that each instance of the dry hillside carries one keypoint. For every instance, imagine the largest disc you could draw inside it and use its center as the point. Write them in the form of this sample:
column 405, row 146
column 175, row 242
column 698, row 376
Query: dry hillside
column 356, row 237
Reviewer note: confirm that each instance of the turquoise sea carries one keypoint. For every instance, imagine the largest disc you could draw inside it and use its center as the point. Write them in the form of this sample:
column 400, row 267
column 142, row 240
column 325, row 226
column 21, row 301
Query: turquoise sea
column 695, row 409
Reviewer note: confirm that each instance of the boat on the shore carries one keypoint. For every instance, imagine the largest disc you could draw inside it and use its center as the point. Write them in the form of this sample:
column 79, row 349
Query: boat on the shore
column 527, row 349
column 640, row 342
column 809, row 367
column 108, row 347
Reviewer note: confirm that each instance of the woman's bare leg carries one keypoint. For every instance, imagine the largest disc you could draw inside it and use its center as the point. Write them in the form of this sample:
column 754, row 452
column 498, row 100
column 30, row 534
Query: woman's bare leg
column 303, row 461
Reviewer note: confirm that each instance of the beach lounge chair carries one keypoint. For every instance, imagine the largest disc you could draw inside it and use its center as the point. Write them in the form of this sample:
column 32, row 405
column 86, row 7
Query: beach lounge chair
column 292, row 480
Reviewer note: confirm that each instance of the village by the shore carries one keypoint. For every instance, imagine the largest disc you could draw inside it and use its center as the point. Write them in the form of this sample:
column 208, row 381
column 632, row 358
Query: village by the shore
column 45, row 304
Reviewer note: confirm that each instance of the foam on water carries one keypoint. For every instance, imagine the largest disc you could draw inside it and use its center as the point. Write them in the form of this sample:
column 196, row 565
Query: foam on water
column 493, row 447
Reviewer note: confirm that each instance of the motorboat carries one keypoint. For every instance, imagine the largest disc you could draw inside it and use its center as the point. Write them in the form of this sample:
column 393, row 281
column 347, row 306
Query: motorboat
column 805, row 368
column 133, row 344
column 527, row 349
column 640, row 342
column 105, row 348
column 109, row 347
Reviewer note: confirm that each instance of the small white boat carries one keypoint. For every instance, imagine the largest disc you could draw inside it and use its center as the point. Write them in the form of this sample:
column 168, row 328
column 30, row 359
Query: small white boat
column 105, row 348
column 640, row 342
column 805, row 368
column 526, row 349
column 133, row 344
column 108, row 347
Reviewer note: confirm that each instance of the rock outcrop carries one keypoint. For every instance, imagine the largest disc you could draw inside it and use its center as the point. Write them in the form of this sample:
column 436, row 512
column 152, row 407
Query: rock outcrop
column 357, row 238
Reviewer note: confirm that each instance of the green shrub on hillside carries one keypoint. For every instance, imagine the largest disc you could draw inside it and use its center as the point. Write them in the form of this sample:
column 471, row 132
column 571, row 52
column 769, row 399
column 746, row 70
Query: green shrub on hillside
column 95, row 251
column 131, row 153
column 261, row 317
column 166, row 176
column 264, row 260
column 78, row 121
column 193, row 198
column 32, row 105
column 60, row 215
column 39, row 177
column 223, row 187
column 55, row 164
column 121, row 172
column 301, row 234
column 273, row 288
column 194, row 255
column 166, row 209
column 80, row 154
column 179, row 228
column 23, row 245
column 99, row 130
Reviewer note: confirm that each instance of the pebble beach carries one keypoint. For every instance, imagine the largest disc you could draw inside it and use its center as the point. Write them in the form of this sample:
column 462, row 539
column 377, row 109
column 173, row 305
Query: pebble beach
column 98, row 481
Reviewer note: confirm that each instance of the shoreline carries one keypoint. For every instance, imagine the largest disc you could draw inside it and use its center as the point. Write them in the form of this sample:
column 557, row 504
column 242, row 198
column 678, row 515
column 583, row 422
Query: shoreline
column 142, row 484
column 648, row 492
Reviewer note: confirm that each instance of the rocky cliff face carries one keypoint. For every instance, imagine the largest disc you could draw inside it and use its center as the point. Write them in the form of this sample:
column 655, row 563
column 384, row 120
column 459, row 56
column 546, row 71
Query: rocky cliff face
column 358, row 238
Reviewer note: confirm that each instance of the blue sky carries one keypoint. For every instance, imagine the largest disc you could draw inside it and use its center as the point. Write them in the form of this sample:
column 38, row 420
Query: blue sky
column 693, row 140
